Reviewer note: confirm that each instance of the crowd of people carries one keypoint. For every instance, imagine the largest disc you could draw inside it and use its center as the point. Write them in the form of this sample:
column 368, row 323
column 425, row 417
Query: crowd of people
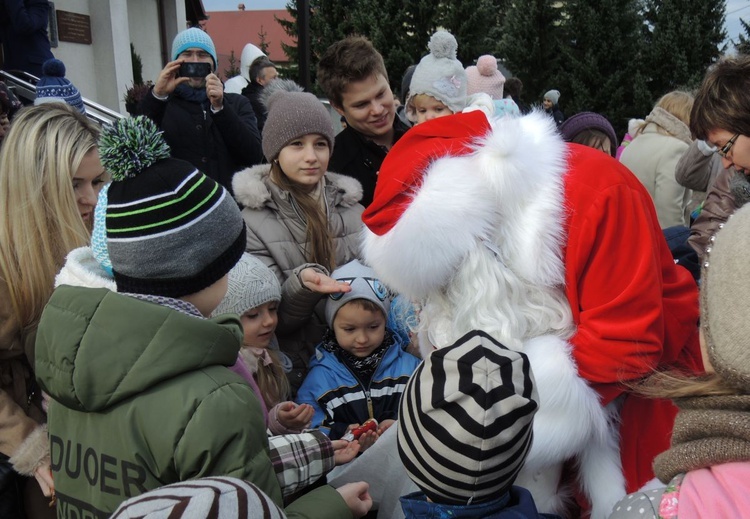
column 463, row 307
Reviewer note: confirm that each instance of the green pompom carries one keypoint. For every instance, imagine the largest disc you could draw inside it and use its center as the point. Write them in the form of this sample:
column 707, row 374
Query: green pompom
column 131, row 145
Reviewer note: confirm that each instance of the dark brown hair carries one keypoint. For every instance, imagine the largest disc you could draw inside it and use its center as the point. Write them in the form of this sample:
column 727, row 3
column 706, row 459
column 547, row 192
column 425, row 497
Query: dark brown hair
column 348, row 61
column 723, row 102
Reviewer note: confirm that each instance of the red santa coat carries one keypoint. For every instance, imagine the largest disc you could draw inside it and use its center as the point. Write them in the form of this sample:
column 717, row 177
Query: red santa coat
column 635, row 311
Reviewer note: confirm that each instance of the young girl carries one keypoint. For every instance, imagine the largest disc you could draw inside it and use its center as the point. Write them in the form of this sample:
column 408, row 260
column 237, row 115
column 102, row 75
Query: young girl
column 50, row 175
column 301, row 220
column 707, row 469
column 254, row 295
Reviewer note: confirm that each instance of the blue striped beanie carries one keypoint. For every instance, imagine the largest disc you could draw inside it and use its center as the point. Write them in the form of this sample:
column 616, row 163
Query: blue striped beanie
column 171, row 230
column 465, row 420
column 193, row 38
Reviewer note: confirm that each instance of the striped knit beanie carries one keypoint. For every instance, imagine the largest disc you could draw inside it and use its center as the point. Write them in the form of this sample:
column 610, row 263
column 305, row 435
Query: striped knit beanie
column 205, row 498
column 171, row 230
column 465, row 420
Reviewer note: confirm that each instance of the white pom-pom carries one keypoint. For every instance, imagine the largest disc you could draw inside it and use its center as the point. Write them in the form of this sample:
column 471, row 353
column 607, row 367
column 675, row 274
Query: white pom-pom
column 443, row 45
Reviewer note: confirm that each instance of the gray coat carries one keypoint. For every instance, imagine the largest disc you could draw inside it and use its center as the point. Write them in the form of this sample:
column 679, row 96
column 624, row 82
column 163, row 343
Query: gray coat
column 276, row 235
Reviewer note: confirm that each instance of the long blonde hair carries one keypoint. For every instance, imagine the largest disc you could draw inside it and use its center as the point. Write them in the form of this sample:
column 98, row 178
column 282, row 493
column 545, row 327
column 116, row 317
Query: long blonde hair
column 673, row 384
column 40, row 221
column 319, row 246
column 678, row 103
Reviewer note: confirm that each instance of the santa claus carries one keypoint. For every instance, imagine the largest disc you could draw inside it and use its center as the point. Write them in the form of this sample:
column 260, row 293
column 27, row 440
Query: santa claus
column 553, row 249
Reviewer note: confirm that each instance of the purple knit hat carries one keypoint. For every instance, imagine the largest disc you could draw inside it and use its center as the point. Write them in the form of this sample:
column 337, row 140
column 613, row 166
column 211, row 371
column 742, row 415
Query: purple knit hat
column 587, row 121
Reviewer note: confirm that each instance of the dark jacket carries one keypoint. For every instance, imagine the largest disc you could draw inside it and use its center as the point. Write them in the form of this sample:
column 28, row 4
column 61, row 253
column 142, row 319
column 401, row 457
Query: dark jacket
column 252, row 92
column 357, row 156
column 23, row 31
column 217, row 144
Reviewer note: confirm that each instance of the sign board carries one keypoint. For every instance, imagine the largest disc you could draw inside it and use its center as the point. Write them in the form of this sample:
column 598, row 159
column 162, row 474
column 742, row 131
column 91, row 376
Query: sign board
column 73, row 27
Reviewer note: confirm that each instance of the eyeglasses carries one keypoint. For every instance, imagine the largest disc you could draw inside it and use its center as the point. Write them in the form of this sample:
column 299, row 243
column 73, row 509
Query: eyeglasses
column 728, row 146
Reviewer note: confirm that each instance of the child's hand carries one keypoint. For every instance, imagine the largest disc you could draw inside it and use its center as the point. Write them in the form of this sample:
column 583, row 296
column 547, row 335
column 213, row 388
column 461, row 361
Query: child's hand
column 366, row 439
column 356, row 497
column 344, row 451
column 384, row 425
column 295, row 417
column 320, row 283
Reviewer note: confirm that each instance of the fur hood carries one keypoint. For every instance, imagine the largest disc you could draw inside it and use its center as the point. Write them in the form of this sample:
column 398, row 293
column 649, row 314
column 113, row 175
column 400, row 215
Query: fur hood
column 251, row 187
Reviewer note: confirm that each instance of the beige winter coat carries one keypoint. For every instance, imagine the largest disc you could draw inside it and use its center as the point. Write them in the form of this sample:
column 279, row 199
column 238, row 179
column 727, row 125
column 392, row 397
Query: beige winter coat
column 653, row 156
column 276, row 235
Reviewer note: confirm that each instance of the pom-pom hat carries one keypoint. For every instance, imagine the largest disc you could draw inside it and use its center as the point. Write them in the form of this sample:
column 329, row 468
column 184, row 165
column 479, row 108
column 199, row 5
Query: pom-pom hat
column 54, row 87
column 193, row 38
column 365, row 285
column 465, row 420
column 439, row 74
column 485, row 77
column 251, row 284
column 171, row 230
column 292, row 113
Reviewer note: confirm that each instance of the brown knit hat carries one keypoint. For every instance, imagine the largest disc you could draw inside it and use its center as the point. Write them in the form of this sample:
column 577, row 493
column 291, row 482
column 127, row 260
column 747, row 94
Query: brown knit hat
column 292, row 113
column 724, row 290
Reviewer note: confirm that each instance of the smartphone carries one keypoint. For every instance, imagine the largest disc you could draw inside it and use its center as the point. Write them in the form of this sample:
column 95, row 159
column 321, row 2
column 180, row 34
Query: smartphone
column 194, row 69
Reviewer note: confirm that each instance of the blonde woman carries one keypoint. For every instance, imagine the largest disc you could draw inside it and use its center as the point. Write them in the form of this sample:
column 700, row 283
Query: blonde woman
column 657, row 147
column 302, row 221
column 50, row 176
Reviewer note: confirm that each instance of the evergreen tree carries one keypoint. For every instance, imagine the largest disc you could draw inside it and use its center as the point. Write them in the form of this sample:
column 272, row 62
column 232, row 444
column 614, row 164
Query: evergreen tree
column 262, row 41
column 683, row 38
column 530, row 45
column 742, row 45
column 473, row 24
column 600, row 59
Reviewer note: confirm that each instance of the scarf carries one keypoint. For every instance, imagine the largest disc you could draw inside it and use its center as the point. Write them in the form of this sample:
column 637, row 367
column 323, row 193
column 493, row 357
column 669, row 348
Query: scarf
column 194, row 95
column 707, row 431
column 363, row 368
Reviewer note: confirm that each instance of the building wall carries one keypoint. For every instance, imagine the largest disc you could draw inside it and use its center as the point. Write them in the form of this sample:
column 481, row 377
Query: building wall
column 144, row 33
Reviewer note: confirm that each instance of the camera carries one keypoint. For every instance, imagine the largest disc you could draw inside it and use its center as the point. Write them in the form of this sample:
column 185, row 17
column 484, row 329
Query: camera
column 193, row 69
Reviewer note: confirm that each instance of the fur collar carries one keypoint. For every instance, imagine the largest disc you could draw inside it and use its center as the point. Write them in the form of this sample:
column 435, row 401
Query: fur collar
column 670, row 124
column 251, row 187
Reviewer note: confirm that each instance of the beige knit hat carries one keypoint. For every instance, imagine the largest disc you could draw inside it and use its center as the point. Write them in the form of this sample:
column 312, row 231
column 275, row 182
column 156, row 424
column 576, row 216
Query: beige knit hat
column 724, row 300
column 485, row 77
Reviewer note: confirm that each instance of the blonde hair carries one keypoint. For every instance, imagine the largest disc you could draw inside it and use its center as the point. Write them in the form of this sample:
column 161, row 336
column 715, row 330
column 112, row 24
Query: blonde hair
column 272, row 381
column 673, row 384
column 678, row 103
column 319, row 245
column 40, row 221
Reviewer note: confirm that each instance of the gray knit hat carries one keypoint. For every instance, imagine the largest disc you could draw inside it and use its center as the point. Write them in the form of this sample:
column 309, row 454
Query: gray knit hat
column 552, row 95
column 292, row 113
column 724, row 290
column 440, row 75
column 465, row 420
column 251, row 284
column 171, row 230
column 204, row 498
column 365, row 285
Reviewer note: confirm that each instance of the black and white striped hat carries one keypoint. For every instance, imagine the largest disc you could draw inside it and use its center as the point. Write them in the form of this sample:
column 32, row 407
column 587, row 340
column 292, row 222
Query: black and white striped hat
column 205, row 498
column 465, row 420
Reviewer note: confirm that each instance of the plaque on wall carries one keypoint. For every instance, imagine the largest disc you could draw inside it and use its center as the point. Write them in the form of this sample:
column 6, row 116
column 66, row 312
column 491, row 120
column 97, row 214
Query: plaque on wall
column 73, row 27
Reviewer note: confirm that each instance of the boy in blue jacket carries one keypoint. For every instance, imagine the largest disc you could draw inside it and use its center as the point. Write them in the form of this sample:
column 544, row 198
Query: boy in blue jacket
column 360, row 369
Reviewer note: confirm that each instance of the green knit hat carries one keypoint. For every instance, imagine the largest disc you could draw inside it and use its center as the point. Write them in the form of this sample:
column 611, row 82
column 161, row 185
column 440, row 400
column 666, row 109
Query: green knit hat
column 171, row 230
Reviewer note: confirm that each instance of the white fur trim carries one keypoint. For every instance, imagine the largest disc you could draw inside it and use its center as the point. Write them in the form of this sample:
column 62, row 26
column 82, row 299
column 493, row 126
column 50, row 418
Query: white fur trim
column 32, row 453
column 571, row 423
column 510, row 191
column 82, row 270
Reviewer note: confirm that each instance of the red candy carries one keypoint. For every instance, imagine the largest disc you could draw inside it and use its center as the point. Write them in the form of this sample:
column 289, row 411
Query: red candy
column 369, row 425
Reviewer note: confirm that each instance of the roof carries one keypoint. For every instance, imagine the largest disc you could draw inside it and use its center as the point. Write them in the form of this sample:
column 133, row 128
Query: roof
column 232, row 30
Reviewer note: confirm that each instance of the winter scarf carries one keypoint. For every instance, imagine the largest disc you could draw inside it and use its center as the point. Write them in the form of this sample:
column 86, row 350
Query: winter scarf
column 363, row 368
column 707, row 431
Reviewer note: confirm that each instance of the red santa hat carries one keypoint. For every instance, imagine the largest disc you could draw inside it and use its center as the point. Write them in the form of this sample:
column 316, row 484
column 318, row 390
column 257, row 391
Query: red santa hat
column 404, row 166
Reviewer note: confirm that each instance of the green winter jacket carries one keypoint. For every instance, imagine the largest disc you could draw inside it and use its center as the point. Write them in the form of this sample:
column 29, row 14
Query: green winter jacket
column 143, row 398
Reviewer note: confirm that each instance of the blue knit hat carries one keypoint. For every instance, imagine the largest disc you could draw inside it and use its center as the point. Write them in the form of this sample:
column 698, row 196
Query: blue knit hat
column 193, row 38
column 54, row 87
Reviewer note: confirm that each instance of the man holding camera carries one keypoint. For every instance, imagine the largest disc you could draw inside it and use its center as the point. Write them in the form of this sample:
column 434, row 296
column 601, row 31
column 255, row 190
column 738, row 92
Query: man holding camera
column 215, row 131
